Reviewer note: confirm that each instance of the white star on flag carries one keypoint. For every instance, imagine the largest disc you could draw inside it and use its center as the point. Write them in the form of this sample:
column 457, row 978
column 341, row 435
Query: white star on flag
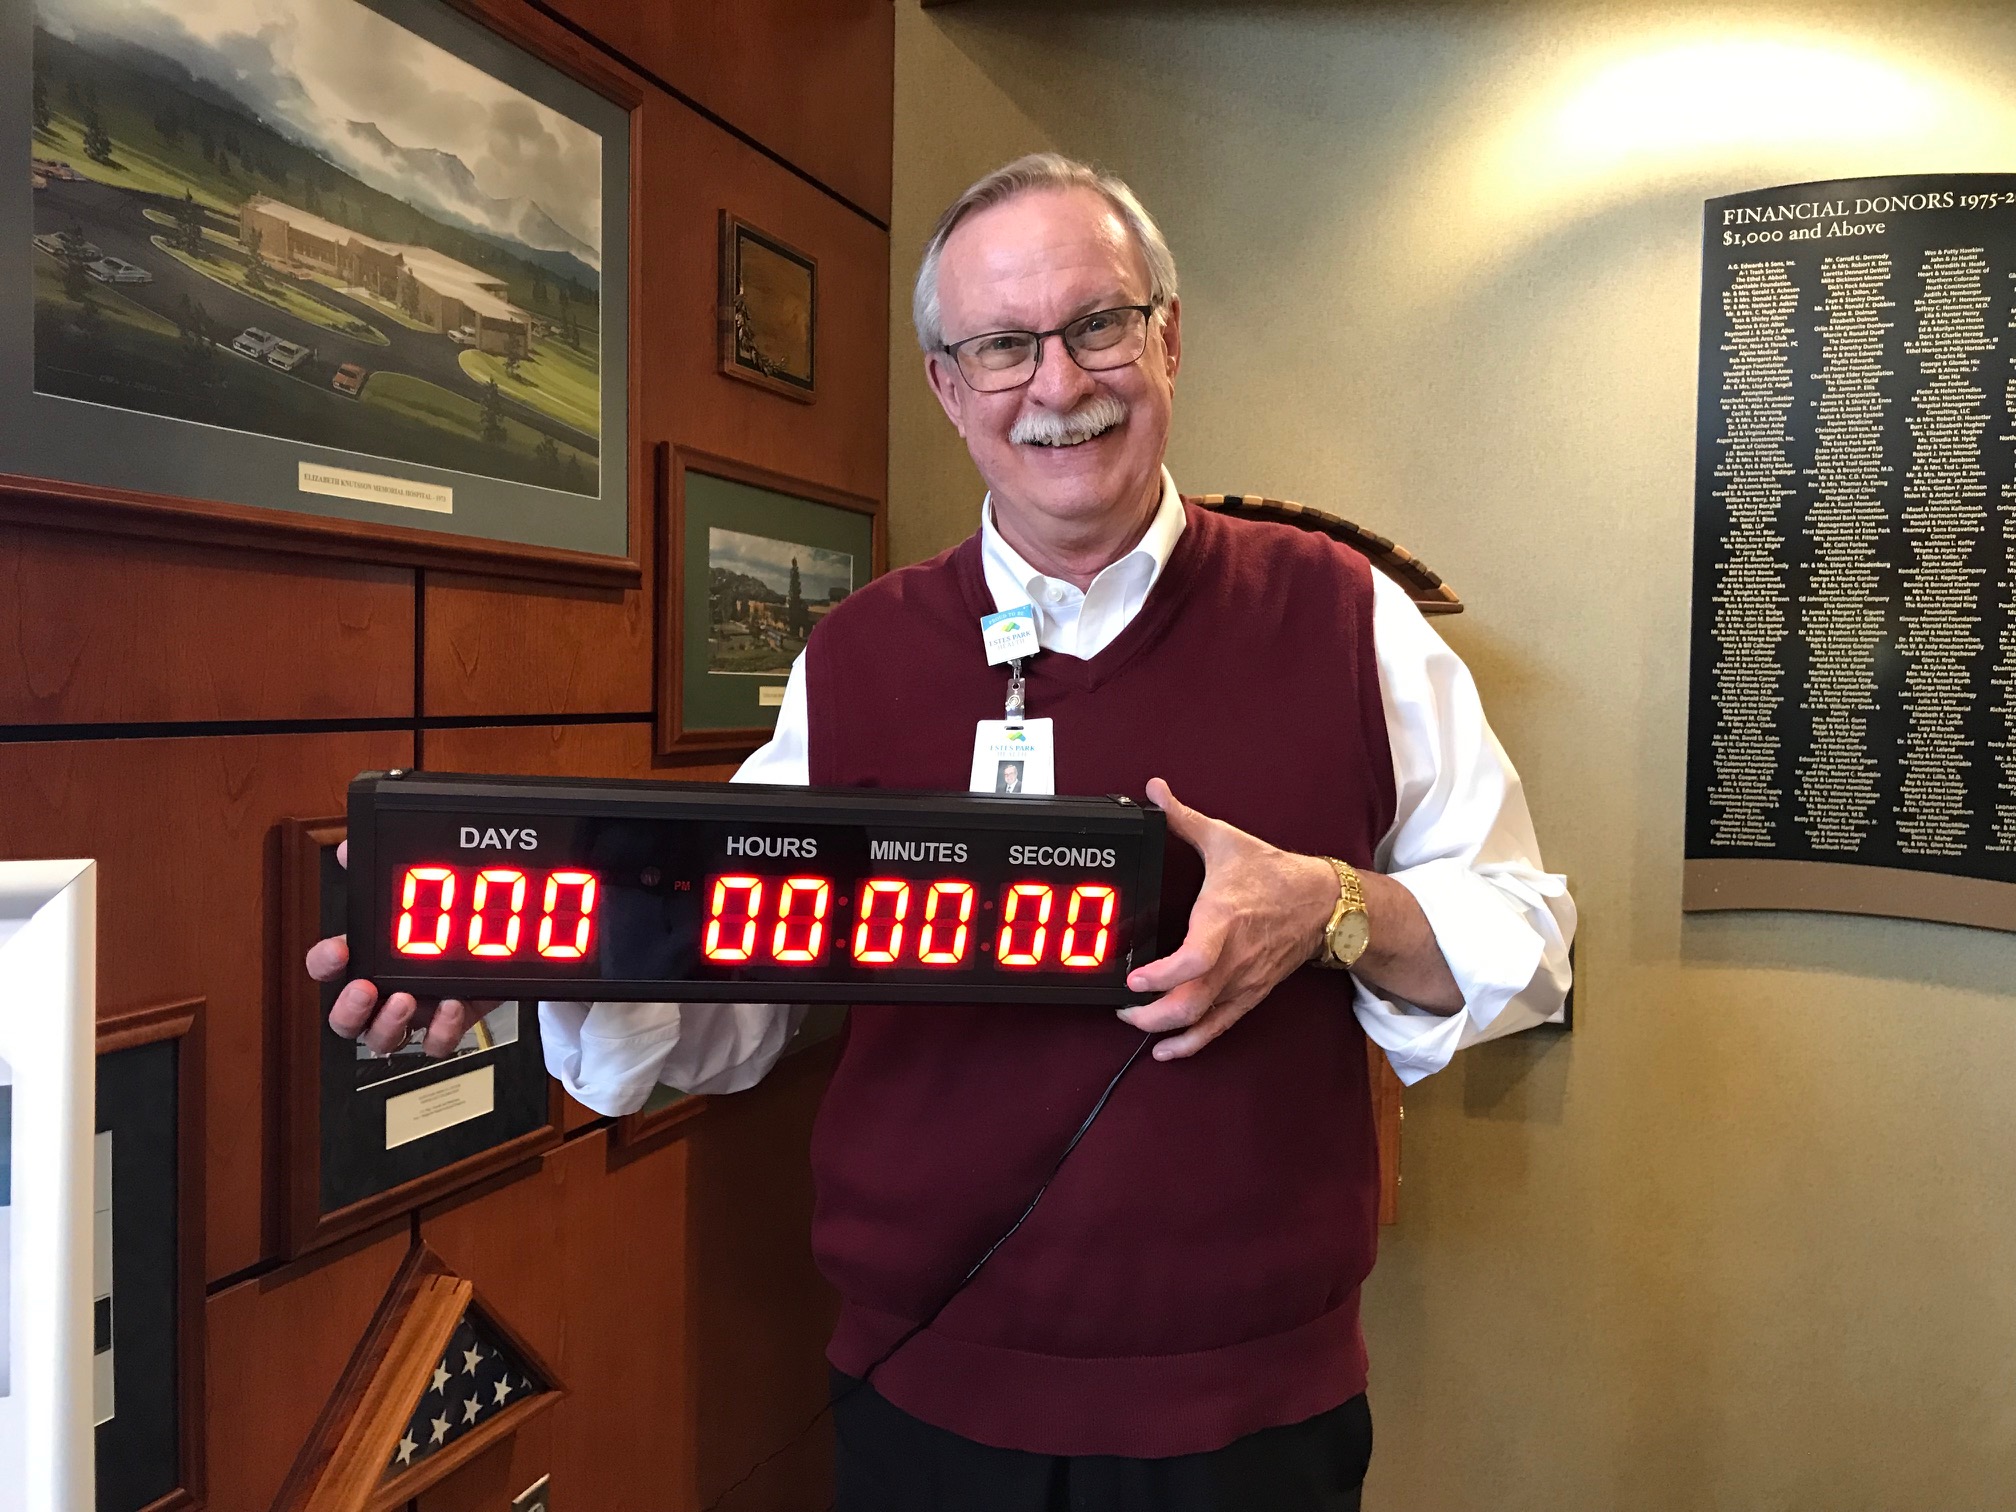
column 406, row 1448
column 471, row 1358
column 440, row 1376
column 503, row 1391
column 470, row 1407
column 440, row 1430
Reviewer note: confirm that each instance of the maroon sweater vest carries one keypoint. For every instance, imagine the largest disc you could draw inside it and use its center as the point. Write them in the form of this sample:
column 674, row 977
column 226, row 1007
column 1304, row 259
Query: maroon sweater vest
column 1192, row 1275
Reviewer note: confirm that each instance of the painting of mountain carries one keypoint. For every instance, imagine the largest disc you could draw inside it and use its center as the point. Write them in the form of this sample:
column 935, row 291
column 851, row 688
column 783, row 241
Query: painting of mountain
column 299, row 219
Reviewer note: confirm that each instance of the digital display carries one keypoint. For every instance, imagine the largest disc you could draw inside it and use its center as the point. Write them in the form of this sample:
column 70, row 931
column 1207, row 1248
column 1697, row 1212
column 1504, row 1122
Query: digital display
column 506, row 887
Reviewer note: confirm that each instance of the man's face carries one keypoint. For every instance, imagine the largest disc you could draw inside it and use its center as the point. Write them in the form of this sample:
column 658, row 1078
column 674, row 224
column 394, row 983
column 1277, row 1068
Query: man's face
column 1032, row 264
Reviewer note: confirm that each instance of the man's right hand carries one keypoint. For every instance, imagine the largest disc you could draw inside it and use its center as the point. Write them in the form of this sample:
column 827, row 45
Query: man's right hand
column 385, row 1026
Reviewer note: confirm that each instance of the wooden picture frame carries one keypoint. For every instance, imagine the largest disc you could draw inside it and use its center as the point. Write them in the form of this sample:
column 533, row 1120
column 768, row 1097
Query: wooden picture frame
column 768, row 311
column 124, row 1038
column 98, row 437
column 739, row 494
column 525, row 1121
column 343, row 1466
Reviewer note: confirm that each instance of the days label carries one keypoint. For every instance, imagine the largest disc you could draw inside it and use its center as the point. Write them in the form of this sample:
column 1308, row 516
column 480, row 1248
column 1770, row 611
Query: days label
column 374, row 488
column 1010, row 634
column 770, row 696
column 415, row 1115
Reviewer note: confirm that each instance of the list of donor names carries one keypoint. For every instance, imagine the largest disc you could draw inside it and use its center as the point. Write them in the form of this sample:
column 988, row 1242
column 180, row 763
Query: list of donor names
column 1853, row 688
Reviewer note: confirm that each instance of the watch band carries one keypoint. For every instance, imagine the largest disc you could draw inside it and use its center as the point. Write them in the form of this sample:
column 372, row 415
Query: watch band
column 1350, row 900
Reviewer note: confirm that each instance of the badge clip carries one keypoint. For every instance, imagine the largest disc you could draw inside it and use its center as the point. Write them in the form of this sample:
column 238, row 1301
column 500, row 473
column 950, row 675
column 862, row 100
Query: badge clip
column 1017, row 695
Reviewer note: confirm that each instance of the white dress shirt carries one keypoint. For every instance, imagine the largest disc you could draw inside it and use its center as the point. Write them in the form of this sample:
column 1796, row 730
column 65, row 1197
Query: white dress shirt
column 1462, row 843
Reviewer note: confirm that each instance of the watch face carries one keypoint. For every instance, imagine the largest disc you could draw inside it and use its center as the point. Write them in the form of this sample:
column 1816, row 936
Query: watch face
column 1349, row 939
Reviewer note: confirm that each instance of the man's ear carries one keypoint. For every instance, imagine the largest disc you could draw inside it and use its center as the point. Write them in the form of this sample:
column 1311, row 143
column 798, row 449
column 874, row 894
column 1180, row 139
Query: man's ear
column 945, row 382
column 1172, row 336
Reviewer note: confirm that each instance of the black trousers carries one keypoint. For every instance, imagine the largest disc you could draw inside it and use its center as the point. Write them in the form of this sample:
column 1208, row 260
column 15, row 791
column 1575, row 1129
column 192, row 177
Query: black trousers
column 889, row 1461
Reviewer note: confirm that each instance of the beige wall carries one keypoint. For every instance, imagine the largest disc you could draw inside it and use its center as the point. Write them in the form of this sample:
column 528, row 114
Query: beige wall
column 1744, row 1239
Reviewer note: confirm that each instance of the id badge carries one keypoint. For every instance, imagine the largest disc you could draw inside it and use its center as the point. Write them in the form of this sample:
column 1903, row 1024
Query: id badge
column 1014, row 759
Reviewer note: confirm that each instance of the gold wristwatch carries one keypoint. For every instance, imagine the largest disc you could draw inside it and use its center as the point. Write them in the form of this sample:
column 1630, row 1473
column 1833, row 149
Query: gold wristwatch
column 1348, row 932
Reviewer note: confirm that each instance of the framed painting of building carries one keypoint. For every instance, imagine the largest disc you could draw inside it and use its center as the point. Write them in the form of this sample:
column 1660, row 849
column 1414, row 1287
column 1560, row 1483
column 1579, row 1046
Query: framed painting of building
column 254, row 298
column 752, row 561
column 769, row 311
column 367, row 1136
column 147, row 1260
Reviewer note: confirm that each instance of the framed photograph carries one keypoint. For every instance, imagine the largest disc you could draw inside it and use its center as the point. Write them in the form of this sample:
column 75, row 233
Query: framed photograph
column 753, row 560
column 367, row 1136
column 343, row 276
column 48, row 955
column 147, row 1260
column 769, row 312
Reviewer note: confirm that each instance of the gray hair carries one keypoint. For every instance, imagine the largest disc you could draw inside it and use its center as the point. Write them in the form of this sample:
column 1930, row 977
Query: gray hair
column 1038, row 171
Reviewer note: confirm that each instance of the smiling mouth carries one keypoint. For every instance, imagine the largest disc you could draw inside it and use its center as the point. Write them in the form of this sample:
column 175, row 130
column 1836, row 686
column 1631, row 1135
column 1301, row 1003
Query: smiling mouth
column 1076, row 437
column 1098, row 416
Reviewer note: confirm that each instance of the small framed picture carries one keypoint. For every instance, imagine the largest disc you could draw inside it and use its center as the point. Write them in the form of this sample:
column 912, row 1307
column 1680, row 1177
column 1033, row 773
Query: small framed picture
column 769, row 311
column 754, row 560
column 367, row 1136
column 147, row 1260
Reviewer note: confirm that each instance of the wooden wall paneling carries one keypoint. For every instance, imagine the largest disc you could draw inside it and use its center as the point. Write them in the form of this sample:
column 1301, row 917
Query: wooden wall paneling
column 492, row 646
column 762, row 1314
column 109, row 629
column 495, row 647
column 1387, row 1114
column 812, row 80
column 277, row 1346
column 184, row 831
column 690, row 171
column 588, row 1261
column 582, row 750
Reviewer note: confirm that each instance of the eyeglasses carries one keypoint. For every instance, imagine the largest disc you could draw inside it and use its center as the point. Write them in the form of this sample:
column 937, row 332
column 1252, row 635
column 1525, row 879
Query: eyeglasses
column 1001, row 360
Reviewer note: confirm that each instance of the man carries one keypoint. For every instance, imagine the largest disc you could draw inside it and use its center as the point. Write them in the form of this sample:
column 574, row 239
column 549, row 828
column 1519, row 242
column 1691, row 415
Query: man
column 1175, row 1325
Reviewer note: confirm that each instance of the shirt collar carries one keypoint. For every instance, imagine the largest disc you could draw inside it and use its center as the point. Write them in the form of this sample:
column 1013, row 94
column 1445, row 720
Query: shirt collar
column 1013, row 582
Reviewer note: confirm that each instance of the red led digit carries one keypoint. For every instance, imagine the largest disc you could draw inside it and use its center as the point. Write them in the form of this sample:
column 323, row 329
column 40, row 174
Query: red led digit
column 553, row 943
column 1025, row 924
column 733, row 904
column 941, row 921
column 878, row 935
column 480, row 903
column 424, row 926
column 1074, row 951
column 801, row 901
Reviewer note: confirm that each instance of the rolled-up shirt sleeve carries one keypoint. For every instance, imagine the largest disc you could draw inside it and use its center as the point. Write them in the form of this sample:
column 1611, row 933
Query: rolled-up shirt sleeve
column 1462, row 843
column 609, row 1056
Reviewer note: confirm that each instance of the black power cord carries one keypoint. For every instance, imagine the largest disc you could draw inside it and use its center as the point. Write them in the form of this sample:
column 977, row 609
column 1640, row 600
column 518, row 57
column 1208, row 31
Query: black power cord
column 946, row 1301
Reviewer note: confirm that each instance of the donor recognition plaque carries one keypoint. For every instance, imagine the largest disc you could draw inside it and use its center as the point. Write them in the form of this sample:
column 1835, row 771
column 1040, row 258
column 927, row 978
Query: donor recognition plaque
column 1852, row 700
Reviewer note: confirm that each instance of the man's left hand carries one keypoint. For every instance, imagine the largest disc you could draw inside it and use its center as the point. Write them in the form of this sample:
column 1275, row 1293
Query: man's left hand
column 1258, row 918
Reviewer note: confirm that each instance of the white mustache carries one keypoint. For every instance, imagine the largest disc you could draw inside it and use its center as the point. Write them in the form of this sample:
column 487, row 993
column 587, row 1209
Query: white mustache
column 1094, row 417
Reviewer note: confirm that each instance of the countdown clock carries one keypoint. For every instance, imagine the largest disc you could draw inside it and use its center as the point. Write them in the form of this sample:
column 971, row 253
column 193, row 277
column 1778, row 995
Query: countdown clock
column 512, row 887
